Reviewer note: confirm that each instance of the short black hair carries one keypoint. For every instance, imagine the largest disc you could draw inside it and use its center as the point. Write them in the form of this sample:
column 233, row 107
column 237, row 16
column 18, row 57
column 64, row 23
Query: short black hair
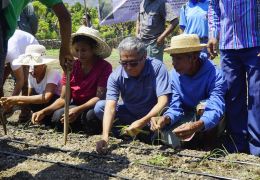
column 81, row 38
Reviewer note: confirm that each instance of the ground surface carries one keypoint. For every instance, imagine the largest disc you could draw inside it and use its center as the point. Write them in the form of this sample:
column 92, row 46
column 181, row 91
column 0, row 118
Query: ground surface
column 128, row 160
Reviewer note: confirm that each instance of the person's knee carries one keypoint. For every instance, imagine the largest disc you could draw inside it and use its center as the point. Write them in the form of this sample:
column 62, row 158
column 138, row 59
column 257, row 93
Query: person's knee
column 57, row 115
column 99, row 109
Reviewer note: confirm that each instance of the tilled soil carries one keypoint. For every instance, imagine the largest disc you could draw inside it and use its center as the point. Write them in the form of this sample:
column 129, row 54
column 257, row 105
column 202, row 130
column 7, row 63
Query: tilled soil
column 127, row 160
column 124, row 159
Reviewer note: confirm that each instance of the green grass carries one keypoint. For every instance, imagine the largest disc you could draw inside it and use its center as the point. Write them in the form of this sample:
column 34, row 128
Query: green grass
column 114, row 58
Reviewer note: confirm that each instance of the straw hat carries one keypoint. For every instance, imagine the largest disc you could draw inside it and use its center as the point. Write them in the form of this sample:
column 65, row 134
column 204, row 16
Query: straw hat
column 185, row 43
column 34, row 55
column 102, row 49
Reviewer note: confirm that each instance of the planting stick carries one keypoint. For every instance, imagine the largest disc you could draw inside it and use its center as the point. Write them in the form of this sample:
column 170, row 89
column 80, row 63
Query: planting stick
column 66, row 107
column 3, row 119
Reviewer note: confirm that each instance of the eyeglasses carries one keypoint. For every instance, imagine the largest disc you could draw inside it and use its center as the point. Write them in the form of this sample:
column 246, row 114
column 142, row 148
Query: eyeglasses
column 132, row 63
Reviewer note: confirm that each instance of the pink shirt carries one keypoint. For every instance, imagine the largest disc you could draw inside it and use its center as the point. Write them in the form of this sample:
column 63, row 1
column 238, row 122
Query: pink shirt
column 84, row 87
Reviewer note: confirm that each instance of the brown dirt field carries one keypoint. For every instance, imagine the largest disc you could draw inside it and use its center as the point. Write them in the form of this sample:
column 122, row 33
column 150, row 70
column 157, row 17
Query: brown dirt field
column 124, row 157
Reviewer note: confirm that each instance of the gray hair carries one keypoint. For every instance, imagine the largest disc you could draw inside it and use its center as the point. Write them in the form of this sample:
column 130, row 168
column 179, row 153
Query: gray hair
column 132, row 44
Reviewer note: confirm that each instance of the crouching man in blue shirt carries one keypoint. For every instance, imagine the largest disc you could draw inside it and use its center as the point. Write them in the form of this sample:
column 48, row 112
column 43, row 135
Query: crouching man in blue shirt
column 144, row 86
column 193, row 79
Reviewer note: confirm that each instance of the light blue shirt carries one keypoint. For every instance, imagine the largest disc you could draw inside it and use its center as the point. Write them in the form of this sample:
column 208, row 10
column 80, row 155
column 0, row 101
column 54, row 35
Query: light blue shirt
column 208, row 84
column 139, row 94
column 194, row 18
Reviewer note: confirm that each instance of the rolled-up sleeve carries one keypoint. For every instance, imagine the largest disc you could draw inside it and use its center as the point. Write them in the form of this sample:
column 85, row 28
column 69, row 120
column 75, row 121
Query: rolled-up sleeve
column 214, row 18
column 215, row 104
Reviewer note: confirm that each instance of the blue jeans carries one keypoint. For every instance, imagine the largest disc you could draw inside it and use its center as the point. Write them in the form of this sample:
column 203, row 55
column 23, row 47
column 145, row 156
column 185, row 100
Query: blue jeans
column 242, row 72
column 123, row 117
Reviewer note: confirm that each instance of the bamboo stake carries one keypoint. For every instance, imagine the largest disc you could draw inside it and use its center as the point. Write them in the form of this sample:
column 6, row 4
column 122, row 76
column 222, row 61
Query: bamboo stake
column 66, row 107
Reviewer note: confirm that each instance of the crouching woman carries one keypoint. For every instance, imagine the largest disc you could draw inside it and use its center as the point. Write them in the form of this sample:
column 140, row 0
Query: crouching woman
column 87, row 84
column 44, row 82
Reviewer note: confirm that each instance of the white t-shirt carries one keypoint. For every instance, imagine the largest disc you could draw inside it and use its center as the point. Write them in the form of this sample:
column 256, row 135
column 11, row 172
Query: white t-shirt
column 17, row 45
column 51, row 76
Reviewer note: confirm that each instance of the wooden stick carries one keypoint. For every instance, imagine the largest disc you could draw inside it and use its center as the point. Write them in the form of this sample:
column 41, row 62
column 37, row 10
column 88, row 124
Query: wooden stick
column 3, row 119
column 66, row 107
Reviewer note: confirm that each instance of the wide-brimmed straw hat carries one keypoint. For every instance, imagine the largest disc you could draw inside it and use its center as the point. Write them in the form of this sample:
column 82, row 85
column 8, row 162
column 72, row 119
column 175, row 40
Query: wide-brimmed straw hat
column 102, row 49
column 34, row 55
column 185, row 43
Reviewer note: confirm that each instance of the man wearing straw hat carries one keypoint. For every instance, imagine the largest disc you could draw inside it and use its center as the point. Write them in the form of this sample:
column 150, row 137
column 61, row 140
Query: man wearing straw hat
column 193, row 79
column 44, row 82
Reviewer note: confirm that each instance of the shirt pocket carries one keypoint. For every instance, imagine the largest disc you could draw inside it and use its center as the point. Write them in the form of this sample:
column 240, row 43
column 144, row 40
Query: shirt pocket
column 153, row 19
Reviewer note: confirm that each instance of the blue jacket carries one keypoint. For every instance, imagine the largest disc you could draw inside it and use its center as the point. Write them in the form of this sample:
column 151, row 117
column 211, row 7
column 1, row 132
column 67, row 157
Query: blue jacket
column 187, row 92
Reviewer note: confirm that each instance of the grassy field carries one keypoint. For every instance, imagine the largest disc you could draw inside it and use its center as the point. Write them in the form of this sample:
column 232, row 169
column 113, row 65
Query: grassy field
column 114, row 58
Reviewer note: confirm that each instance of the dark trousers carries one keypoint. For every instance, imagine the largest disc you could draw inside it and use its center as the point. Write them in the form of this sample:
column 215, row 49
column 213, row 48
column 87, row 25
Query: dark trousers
column 38, row 107
column 242, row 73
column 3, row 48
column 86, row 121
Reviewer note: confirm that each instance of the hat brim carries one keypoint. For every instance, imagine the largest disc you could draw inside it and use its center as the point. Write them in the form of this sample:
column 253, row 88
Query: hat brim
column 102, row 49
column 29, row 61
column 176, row 50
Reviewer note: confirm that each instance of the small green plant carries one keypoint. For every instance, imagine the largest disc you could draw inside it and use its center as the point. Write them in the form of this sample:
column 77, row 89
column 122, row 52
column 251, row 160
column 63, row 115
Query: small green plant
column 215, row 153
column 159, row 160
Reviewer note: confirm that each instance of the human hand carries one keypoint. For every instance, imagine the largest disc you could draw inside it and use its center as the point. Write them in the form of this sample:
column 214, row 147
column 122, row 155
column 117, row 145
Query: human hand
column 212, row 47
column 8, row 102
column 187, row 130
column 101, row 146
column 66, row 58
column 158, row 123
column 135, row 128
column 160, row 41
column 37, row 117
column 73, row 115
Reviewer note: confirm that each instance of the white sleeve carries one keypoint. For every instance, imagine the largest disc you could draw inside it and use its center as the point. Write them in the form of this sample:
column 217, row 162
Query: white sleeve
column 53, row 77
column 12, row 55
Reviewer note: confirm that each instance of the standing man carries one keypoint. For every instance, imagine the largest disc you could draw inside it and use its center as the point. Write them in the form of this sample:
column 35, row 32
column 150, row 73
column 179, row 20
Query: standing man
column 236, row 25
column 150, row 25
column 11, row 10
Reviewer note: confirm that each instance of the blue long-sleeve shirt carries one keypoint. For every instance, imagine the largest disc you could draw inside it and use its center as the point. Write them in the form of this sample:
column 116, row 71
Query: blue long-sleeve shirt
column 207, row 84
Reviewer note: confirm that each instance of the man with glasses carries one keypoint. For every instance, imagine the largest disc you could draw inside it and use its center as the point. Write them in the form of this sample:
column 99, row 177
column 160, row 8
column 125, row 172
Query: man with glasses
column 143, row 85
column 193, row 79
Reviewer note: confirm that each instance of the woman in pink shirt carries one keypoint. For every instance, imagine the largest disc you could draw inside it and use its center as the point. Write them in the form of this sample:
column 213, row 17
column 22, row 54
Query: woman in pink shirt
column 88, row 82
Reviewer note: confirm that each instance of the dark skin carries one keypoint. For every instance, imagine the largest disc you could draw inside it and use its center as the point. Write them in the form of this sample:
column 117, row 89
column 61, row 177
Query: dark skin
column 187, row 64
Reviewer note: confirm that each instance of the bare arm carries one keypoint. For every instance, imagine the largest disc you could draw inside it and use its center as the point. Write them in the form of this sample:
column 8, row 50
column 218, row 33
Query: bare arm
column 156, row 110
column 109, row 114
column 136, row 126
column 19, row 76
column 65, row 31
column 37, row 99
column 59, row 103
column 167, row 31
